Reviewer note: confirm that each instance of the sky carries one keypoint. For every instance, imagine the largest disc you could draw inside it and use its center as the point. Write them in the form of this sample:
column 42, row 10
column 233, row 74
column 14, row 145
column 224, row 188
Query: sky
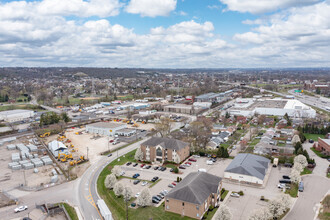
column 165, row 33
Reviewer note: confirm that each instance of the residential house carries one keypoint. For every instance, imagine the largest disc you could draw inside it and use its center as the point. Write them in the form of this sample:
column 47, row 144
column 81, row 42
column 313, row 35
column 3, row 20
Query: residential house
column 194, row 195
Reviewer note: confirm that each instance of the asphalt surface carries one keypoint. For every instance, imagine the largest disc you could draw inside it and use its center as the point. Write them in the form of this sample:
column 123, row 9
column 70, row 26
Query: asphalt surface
column 312, row 100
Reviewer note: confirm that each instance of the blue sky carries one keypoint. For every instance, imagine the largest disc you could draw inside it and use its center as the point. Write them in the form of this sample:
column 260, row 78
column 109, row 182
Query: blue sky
column 165, row 33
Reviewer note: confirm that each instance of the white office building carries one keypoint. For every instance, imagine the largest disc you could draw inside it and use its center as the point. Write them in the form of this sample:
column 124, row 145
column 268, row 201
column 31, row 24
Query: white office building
column 104, row 128
column 16, row 115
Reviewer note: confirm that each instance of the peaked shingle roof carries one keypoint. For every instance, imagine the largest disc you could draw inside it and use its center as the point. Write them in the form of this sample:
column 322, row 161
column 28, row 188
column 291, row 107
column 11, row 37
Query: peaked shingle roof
column 167, row 143
column 195, row 188
column 250, row 165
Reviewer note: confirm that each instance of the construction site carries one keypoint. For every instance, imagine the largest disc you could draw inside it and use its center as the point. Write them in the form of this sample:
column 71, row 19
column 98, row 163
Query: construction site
column 25, row 164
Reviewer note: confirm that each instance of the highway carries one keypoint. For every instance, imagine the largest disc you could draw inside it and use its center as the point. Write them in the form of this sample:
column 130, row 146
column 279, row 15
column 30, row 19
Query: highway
column 316, row 101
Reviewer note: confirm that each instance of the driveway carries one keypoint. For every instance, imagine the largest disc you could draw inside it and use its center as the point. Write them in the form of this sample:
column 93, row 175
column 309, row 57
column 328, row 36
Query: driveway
column 321, row 163
column 308, row 201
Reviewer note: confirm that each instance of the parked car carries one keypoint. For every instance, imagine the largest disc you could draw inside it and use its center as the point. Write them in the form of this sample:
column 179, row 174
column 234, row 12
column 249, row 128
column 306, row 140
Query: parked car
column 156, row 168
column 188, row 163
column 235, row 195
column 192, row 159
column 148, row 167
column 129, row 163
column 209, row 162
column 171, row 186
column 288, row 165
column 285, row 181
column 311, row 141
column 142, row 165
column 181, row 167
column 155, row 200
column 174, row 184
column 109, row 155
column 136, row 182
column 143, row 130
column 133, row 204
column 162, row 168
column 144, row 183
column 134, row 165
column 155, row 179
column 137, row 194
column 20, row 209
column 122, row 173
column 311, row 165
column 159, row 197
column 136, row 175
column 301, row 186
column 281, row 185
column 172, row 170
column 111, row 141
column 286, row 177
column 196, row 156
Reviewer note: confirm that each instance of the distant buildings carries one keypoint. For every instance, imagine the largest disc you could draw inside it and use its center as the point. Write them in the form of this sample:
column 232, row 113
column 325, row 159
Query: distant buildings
column 276, row 107
column 159, row 150
column 16, row 115
column 194, row 195
column 247, row 168
column 213, row 97
column 182, row 108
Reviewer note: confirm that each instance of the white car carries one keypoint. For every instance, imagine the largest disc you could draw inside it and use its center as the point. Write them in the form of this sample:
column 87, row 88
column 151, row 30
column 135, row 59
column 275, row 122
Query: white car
column 281, row 185
column 137, row 194
column 144, row 183
column 21, row 208
column 235, row 195
column 209, row 162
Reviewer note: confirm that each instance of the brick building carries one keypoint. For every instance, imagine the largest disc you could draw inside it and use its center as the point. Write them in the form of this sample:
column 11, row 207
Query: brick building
column 323, row 145
column 194, row 195
column 159, row 150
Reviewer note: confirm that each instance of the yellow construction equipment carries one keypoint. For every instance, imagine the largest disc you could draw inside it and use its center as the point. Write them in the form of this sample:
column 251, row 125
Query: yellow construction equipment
column 63, row 160
column 73, row 150
column 135, row 125
column 73, row 162
column 78, row 133
column 60, row 155
column 45, row 135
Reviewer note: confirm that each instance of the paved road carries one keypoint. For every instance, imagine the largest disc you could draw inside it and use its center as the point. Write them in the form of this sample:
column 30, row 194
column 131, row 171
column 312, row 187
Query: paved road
column 312, row 100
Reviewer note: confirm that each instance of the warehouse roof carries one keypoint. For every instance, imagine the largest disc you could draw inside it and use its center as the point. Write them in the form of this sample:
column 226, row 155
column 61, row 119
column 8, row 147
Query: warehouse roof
column 250, row 165
column 105, row 125
column 16, row 111
column 196, row 187
column 167, row 143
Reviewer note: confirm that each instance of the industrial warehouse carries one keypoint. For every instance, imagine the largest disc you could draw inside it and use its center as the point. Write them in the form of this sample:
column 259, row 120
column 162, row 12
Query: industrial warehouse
column 278, row 107
column 104, row 128
column 16, row 115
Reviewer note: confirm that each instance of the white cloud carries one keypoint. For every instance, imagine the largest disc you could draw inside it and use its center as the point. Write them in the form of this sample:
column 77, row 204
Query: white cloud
column 262, row 6
column 214, row 7
column 151, row 8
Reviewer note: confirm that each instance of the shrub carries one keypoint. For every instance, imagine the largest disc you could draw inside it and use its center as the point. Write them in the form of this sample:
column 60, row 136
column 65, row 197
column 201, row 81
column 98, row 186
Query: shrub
column 178, row 179
column 241, row 193
column 176, row 170
column 205, row 215
column 262, row 198
column 211, row 208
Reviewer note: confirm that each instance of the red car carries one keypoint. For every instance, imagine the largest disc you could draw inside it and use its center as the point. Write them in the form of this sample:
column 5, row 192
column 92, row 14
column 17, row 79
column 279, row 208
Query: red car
column 111, row 141
column 188, row 163
column 174, row 184
column 142, row 165
column 192, row 159
column 73, row 128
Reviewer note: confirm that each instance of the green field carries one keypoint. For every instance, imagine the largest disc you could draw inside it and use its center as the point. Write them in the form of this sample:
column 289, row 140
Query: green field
column 71, row 211
column 117, row 205
column 313, row 136
column 318, row 153
column 306, row 171
column 23, row 106
column 293, row 191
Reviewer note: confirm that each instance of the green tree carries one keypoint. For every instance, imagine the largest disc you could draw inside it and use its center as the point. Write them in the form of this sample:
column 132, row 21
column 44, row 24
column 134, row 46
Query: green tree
column 318, row 90
column 65, row 117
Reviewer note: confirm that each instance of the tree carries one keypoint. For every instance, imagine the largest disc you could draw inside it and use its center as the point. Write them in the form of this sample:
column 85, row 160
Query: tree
column 144, row 198
column 118, row 189
column 223, row 213
column 227, row 115
column 301, row 159
column 65, row 117
column 222, row 152
column 116, row 170
column 276, row 208
column 127, row 193
column 177, row 158
column 163, row 127
column 295, row 139
column 298, row 167
column 318, row 90
column 138, row 154
column 110, row 181
column 260, row 214
column 285, row 199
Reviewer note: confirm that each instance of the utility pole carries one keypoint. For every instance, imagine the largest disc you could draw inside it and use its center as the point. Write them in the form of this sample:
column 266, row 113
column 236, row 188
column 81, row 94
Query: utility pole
column 87, row 152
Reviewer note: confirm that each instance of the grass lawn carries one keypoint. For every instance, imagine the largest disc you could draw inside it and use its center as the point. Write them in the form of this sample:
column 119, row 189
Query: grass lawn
column 306, row 171
column 318, row 153
column 117, row 205
column 27, row 106
column 169, row 165
column 71, row 211
column 293, row 191
column 313, row 136
column 249, row 150
column 325, row 210
column 254, row 142
column 225, row 145
column 126, row 145
column 127, row 97
column 224, row 194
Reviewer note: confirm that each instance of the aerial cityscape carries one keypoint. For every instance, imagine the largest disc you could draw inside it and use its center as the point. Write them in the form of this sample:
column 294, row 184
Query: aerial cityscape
column 164, row 110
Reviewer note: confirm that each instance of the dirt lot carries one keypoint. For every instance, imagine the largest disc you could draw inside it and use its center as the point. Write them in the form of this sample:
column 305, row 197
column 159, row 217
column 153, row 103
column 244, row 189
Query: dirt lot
column 5, row 201
column 13, row 178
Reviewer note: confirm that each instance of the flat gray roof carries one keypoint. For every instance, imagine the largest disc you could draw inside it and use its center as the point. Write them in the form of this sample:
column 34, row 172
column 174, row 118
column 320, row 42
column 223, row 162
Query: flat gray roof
column 16, row 111
column 250, row 165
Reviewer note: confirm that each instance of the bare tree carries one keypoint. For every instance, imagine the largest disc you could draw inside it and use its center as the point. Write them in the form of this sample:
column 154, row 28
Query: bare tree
column 295, row 176
column 301, row 159
column 276, row 208
column 110, row 181
column 163, row 127
column 223, row 213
